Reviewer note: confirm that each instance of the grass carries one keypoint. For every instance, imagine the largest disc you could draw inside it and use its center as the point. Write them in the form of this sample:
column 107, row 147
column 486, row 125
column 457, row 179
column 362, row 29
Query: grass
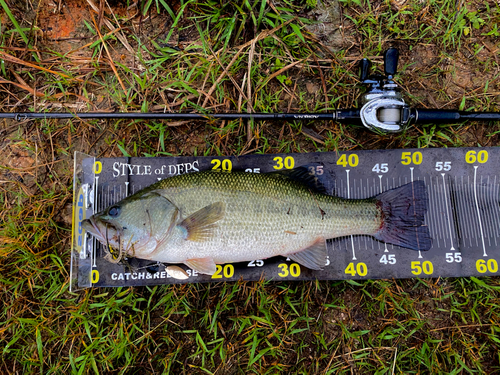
column 219, row 56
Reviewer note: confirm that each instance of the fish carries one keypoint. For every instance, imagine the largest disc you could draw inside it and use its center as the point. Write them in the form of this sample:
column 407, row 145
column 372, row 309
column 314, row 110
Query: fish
column 206, row 218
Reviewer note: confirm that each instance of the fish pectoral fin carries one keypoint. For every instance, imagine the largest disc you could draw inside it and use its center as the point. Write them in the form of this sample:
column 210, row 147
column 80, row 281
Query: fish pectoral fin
column 313, row 257
column 202, row 265
column 200, row 225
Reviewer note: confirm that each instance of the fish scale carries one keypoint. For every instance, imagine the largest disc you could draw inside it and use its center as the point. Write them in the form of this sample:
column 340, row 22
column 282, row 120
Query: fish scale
column 216, row 217
column 264, row 216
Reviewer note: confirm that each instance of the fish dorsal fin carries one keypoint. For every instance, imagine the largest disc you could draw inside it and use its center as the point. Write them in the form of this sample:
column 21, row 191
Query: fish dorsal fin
column 311, row 175
column 200, row 225
column 202, row 265
column 313, row 257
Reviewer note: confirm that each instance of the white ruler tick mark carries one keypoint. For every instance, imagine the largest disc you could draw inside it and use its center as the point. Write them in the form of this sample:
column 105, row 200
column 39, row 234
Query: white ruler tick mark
column 478, row 213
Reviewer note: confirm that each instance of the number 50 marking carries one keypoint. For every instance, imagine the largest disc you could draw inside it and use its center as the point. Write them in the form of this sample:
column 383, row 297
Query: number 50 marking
column 407, row 158
column 426, row 267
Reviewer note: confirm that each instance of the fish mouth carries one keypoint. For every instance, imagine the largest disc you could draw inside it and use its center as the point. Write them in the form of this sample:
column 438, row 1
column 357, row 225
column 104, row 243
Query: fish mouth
column 90, row 225
column 108, row 235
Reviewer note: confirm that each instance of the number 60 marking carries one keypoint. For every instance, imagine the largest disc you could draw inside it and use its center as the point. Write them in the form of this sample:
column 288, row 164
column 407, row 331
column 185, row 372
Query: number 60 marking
column 482, row 156
column 483, row 266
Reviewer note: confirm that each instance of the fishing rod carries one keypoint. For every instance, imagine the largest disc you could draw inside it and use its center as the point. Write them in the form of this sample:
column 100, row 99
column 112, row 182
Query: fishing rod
column 383, row 111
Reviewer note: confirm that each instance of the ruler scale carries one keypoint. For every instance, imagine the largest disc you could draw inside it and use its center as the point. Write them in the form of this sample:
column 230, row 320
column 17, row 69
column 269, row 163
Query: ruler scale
column 463, row 215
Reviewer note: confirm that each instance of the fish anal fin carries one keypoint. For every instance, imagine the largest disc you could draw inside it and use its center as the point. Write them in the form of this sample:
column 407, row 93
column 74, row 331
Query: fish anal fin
column 202, row 265
column 313, row 257
column 200, row 225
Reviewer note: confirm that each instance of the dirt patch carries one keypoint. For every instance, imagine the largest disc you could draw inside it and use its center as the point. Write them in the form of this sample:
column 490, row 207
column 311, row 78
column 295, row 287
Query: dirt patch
column 60, row 21
column 327, row 24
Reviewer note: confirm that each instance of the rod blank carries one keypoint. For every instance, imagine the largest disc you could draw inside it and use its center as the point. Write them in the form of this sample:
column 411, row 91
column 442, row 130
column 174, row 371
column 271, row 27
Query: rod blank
column 168, row 116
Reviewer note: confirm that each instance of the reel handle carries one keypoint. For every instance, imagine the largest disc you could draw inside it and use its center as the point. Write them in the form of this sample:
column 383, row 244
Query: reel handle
column 364, row 69
column 391, row 57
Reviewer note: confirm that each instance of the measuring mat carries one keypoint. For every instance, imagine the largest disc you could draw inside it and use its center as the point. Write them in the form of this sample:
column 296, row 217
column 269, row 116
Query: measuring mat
column 463, row 214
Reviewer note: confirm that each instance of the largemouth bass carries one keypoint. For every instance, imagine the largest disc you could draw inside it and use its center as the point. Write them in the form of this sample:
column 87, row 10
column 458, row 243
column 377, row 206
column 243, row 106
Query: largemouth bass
column 207, row 218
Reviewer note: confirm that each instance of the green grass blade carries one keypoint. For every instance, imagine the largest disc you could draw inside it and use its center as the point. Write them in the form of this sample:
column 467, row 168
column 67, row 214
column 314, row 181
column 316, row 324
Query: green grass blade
column 14, row 21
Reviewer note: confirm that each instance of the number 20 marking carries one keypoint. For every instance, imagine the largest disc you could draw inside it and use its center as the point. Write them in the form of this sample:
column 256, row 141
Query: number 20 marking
column 226, row 164
column 227, row 271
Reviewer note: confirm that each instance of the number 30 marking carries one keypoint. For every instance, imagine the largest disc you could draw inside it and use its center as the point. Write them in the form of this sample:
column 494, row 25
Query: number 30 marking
column 289, row 163
column 294, row 270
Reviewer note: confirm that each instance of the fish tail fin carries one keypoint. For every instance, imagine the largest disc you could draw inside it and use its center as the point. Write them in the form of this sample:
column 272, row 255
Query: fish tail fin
column 403, row 210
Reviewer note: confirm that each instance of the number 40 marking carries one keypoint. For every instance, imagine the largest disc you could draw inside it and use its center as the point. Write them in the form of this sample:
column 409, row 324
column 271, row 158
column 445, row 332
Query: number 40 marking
column 360, row 269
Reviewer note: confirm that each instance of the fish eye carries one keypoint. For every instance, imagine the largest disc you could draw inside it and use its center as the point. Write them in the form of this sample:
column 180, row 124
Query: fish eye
column 114, row 211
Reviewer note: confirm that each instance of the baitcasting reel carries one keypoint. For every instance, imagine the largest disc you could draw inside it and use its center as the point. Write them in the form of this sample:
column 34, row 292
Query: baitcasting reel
column 384, row 108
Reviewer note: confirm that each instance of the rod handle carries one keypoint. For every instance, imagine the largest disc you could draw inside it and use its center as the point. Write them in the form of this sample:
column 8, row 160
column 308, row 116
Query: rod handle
column 436, row 116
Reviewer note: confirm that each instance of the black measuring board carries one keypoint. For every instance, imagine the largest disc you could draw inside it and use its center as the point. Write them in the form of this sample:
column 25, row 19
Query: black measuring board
column 463, row 187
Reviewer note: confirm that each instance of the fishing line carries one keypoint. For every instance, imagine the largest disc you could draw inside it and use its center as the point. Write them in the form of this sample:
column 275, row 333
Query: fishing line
column 110, row 250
